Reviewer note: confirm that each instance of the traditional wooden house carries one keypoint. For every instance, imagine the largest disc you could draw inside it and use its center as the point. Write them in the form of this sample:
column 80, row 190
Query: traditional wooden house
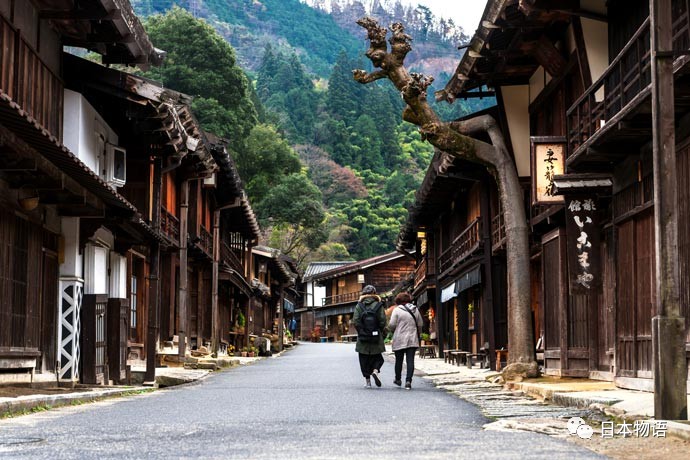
column 574, row 85
column 343, row 287
column 313, row 295
column 54, row 181
column 459, row 281
column 273, row 277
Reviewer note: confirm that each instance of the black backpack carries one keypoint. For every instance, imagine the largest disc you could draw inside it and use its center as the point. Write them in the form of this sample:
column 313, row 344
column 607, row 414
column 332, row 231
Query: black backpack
column 371, row 329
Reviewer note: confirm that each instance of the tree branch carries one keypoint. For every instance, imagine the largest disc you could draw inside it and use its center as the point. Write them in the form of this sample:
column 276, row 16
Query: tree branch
column 363, row 77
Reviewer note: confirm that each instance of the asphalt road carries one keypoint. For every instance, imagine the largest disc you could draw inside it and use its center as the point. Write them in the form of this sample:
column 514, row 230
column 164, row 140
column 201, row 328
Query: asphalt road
column 308, row 403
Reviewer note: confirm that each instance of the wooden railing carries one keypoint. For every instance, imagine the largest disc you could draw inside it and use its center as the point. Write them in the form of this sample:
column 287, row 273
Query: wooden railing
column 420, row 272
column 462, row 247
column 498, row 231
column 206, row 241
column 625, row 83
column 28, row 81
column 230, row 258
column 170, row 226
column 341, row 298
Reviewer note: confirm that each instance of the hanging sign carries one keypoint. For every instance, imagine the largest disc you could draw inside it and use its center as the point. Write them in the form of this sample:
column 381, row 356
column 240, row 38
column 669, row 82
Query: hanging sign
column 582, row 228
column 548, row 160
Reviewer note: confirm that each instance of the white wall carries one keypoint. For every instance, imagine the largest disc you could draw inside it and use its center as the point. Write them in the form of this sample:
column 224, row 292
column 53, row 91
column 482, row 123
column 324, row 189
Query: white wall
column 71, row 263
column 118, row 276
column 516, row 101
column 85, row 132
column 596, row 35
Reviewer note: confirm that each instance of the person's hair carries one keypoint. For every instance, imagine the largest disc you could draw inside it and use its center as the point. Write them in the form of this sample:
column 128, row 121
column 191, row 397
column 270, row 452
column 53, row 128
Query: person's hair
column 403, row 298
column 369, row 289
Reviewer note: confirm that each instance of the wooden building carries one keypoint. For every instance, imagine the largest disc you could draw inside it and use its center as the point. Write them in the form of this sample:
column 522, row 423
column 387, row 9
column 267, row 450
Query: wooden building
column 52, row 183
column 313, row 296
column 574, row 88
column 460, row 274
column 127, row 227
column 274, row 278
column 343, row 286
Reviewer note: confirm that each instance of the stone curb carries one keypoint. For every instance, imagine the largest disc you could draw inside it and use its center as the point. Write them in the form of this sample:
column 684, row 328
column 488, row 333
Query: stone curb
column 28, row 404
column 602, row 404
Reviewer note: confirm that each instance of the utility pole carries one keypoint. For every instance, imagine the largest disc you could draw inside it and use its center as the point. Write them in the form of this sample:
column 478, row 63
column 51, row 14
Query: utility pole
column 215, row 318
column 668, row 327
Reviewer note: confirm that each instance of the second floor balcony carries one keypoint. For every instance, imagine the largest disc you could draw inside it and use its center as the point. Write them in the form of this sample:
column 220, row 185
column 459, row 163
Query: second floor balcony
column 26, row 79
column 615, row 111
column 231, row 259
column 170, row 226
column 341, row 298
column 462, row 247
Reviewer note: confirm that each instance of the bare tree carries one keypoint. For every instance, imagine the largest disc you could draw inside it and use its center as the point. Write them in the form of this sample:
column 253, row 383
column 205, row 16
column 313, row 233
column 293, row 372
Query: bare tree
column 455, row 139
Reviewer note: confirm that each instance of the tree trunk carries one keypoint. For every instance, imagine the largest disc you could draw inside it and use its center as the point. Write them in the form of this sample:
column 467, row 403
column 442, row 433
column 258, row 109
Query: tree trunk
column 454, row 139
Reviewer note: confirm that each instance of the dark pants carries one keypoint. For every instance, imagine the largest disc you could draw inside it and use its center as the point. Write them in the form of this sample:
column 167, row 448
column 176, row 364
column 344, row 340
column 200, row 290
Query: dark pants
column 408, row 354
column 367, row 363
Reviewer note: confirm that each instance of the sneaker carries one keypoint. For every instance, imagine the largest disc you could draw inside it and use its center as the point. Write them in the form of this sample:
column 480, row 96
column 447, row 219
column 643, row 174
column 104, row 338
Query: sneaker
column 367, row 384
column 397, row 382
column 376, row 378
column 408, row 385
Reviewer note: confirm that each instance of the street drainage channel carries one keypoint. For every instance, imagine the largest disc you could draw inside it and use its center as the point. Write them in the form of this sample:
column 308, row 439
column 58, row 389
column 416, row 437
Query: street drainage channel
column 513, row 411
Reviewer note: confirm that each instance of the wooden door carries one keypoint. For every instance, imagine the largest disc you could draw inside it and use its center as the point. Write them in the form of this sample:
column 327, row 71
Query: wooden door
column 49, row 307
column 636, row 296
column 554, row 300
column 606, row 337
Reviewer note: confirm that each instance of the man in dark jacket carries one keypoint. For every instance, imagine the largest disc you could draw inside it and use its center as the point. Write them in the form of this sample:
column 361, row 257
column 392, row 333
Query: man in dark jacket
column 370, row 344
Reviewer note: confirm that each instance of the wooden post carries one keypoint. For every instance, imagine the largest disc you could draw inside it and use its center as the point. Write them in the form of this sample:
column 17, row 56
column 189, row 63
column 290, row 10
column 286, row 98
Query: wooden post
column 439, row 306
column 154, row 286
column 488, row 326
column 281, row 307
column 182, row 296
column 668, row 327
column 215, row 332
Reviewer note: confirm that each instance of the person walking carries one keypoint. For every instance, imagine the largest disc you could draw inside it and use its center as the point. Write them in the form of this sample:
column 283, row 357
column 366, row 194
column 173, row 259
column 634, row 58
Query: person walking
column 370, row 322
column 406, row 324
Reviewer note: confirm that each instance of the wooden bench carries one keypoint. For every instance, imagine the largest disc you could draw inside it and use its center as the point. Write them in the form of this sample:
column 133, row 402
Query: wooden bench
column 447, row 357
column 348, row 338
column 427, row 351
column 458, row 356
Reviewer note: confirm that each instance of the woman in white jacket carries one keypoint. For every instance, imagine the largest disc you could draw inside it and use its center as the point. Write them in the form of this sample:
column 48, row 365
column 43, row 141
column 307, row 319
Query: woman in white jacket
column 406, row 325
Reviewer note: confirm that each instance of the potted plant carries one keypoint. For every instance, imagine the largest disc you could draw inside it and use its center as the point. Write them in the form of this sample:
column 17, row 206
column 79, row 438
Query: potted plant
column 252, row 352
column 424, row 338
column 245, row 350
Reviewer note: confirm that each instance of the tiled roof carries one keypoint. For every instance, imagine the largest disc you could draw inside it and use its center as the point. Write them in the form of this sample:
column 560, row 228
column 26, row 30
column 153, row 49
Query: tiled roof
column 314, row 268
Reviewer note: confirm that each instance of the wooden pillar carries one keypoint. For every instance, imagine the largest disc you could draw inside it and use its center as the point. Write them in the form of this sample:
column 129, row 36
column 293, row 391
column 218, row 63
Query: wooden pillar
column 154, row 277
column 487, row 319
column 439, row 306
column 281, row 308
column 215, row 332
column 668, row 327
column 182, row 295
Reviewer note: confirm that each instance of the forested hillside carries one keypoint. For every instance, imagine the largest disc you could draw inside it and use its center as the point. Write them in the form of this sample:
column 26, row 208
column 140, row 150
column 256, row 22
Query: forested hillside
column 328, row 163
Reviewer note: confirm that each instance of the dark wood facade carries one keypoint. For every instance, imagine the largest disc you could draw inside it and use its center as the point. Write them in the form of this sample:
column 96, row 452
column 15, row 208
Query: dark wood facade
column 455, row 231
column 593, row 312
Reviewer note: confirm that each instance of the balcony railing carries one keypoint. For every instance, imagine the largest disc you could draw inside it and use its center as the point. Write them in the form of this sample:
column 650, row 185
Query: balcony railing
column 341, row 298
column 462, row 247
column 206, row 241
column 498, row 231
column 28, row 81
column 230, row 258
column 420, row 272
column 624, row 85
column 170, row 226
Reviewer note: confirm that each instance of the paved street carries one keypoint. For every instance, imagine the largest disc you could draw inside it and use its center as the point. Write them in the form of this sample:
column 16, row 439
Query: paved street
column 309, row 403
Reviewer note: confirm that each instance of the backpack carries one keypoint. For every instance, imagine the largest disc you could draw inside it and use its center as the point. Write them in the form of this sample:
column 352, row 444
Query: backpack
column 371, row 329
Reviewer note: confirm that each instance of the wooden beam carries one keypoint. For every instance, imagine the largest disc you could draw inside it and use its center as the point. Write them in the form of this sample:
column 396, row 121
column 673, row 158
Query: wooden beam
column 78, row 15
column 549, row 57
